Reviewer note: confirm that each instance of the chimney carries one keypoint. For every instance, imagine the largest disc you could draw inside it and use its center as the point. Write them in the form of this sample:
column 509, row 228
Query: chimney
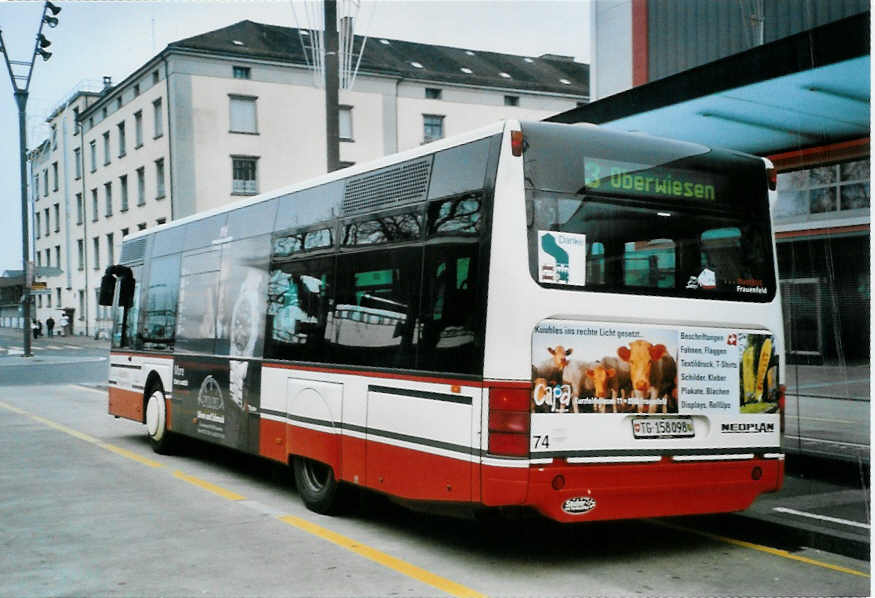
column 107, row 82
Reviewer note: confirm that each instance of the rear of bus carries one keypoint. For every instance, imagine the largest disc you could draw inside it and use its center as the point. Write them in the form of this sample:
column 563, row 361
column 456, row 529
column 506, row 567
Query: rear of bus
column 633, row 334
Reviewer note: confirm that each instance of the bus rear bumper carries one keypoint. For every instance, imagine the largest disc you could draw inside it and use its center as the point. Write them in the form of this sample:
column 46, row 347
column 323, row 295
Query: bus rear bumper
column 575, row 493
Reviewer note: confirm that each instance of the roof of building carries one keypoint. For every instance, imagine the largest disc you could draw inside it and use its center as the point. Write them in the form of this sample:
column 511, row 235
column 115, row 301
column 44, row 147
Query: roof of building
column 396, row 58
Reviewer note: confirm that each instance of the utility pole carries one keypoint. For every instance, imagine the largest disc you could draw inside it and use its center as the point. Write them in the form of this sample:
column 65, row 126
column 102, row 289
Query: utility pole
column 332, row 126
column 21, row 93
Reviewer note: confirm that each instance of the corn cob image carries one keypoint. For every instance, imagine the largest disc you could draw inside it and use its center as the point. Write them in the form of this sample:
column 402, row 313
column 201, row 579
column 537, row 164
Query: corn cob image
column 765, row 357
column 747, row 376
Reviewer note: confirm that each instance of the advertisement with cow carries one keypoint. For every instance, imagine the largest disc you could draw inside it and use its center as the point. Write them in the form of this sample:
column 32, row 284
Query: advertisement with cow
column 600, row 368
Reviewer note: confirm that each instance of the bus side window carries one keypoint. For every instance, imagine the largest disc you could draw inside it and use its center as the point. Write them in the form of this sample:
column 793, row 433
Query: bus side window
column 159, row 305
column 374, row 320
column 452, row 322
column 298, row 295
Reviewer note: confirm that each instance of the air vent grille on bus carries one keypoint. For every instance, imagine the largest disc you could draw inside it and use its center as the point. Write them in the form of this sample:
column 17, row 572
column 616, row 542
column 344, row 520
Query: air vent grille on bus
column 133, row 251
column 389, row 187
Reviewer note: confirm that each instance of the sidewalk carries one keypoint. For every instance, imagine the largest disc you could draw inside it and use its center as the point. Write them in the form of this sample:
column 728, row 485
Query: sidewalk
column 14, row 337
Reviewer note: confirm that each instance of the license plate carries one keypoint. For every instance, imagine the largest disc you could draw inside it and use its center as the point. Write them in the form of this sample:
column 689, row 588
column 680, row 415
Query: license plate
column 662, row 427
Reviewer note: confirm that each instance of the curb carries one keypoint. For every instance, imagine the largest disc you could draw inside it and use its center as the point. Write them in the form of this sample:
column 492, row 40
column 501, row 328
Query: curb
column 801, row 533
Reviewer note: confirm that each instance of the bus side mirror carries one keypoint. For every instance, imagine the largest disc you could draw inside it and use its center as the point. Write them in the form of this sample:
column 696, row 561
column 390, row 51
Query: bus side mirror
column 107, row 286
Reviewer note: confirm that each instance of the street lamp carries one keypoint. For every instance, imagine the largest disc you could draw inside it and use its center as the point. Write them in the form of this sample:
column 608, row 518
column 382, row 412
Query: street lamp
column 21, row 71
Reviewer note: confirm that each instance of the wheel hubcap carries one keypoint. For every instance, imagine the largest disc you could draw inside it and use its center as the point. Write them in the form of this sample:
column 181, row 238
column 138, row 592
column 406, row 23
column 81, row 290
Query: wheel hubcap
column 155, row 415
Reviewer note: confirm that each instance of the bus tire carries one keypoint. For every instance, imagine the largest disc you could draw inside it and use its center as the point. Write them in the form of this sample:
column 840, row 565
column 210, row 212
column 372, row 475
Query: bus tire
column 160, row 437
column 318, row 487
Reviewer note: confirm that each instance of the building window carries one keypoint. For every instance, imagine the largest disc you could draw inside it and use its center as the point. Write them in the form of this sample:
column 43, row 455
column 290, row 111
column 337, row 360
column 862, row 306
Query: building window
column 344, row 119
column 58, row 295
column 123, row 183
column 511, row 100
column 138, row 128
column 48, row 225
column 76, row 122
column 121, row 140
column 155, row 77
column 106, row 159
column 125, row 232
column 48, row 300
column 141, row 226
column 136, row 89
column 35, row 187
column 96, row 242
column 242, row 72
column 93, row 146
column 110, row 249
column 81, row 305
column 107, row 193
column 432, row 93
column 48, row 258
column 80, row 254
column 243, row 115
column 36, row 228
column 57, row 256
column 80, row 209
column 118, row 103
column 54, row 176
column 39, row 259
column 45, row 182
column 57, row 217
column 77, row 162
column 159, row 178
column 433, row 127
column 160, row 221
column 54, row 137
column 823, row 190
column 94, row 205
column 141, row 186
column 245, row 181
column 158, row 117
column 39, row 300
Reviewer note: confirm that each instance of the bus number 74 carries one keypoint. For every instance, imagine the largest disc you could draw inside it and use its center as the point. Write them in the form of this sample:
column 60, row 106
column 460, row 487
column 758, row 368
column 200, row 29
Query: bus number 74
column 541, row 441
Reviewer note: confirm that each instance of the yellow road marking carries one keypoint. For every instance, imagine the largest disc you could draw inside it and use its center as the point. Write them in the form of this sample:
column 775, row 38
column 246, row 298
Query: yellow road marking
column 130, row 455
column 64, row 429
column 761, row 548
column 417, row 573
column 208, row 486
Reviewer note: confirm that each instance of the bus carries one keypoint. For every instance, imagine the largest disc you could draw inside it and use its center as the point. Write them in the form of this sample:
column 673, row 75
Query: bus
column 567, row 319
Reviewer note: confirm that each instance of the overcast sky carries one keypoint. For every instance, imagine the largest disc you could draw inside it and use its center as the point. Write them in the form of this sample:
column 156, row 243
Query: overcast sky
column 95, row 39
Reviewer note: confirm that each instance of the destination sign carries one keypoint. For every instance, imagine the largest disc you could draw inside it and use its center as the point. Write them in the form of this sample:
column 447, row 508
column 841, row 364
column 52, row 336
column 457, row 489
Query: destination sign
column 640, row 179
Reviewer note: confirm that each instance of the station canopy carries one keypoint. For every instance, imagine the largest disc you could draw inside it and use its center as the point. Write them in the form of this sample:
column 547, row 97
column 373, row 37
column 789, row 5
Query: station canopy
column 807, row 90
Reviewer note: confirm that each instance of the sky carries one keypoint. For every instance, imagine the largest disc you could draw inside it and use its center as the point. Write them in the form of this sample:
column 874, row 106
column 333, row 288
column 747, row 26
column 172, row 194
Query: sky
column 94, row 39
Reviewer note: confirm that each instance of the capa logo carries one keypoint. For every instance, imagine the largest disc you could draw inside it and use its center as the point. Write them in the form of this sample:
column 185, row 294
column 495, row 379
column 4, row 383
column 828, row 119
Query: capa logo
column 747, row 428
column 578, row 505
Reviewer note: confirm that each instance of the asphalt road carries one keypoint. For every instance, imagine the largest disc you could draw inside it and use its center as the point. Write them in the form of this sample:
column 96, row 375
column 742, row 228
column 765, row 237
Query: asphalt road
column 88, row 509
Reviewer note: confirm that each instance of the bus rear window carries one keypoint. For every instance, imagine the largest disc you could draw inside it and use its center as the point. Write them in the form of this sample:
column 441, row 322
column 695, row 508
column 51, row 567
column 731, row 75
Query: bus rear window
column 599, row 243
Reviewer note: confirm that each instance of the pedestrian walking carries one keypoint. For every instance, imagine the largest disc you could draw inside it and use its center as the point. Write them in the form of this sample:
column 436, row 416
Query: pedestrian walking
column 35, row 329
column 65, row 323
column 50, row 324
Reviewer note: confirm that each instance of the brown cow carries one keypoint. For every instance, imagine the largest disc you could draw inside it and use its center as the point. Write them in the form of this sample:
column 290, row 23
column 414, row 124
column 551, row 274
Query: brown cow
column 653, row 373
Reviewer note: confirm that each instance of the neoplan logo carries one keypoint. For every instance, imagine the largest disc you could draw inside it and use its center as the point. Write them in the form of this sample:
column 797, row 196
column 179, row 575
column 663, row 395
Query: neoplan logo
column 747, row 428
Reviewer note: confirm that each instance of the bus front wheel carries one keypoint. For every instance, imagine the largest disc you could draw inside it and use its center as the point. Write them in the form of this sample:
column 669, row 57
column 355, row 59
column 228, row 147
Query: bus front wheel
column 156, row 422
column 318, row 487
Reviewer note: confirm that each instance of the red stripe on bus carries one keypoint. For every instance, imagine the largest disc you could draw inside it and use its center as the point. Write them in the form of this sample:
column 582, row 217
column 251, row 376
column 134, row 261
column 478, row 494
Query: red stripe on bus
column 126, row 403
column 369, row 374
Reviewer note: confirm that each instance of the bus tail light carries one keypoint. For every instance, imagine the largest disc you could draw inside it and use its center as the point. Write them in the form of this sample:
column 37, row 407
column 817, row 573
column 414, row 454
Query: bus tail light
column 516, row 143
column 509, row 421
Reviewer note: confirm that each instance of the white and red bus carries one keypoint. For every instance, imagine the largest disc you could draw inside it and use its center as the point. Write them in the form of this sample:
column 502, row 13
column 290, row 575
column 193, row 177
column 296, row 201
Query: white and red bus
column 572, row 319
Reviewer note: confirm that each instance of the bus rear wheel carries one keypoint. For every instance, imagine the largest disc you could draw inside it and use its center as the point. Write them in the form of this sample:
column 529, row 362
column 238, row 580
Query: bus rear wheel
column 318, row 487
column 156, row 422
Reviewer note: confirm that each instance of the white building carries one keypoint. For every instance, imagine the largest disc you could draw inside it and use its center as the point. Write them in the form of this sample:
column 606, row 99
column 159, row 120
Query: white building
column 235, row 112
